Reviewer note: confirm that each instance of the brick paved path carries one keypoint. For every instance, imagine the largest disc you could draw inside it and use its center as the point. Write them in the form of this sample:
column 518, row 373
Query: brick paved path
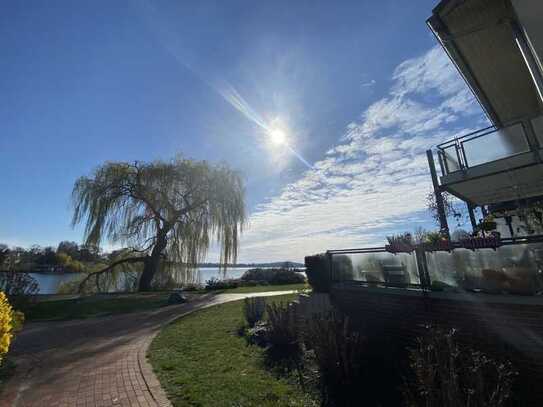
column 95, row 362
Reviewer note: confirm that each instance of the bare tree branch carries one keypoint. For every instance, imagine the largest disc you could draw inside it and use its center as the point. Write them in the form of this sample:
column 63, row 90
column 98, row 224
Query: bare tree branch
column 109, row 268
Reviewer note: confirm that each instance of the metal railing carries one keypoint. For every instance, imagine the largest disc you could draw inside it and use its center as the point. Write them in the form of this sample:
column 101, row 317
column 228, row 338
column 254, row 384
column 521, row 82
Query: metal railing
column 405, row 270
column 483, row 146
column 458, row 266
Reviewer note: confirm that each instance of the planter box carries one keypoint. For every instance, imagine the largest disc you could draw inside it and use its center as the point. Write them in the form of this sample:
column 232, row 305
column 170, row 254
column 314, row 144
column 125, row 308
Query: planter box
column 481, row 243
column 400, row 248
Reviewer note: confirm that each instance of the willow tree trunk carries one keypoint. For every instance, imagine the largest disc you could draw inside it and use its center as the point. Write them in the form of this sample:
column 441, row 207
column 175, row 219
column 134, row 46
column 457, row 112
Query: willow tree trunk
column 152, row 264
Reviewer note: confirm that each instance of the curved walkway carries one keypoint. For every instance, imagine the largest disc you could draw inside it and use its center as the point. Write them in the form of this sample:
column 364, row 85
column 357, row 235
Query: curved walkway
column 96, row 362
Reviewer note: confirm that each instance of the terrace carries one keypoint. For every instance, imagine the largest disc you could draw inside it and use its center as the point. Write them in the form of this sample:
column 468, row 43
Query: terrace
column 491, row 295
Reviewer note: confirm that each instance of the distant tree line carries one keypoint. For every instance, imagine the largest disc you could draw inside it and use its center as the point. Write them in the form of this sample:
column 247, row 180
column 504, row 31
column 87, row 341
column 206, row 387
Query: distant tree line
column 282, row 264
column 66, row 257
column 69, row 256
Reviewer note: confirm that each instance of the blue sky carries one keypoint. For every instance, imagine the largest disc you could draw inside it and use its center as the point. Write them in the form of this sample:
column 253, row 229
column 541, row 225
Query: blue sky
column 360, row 88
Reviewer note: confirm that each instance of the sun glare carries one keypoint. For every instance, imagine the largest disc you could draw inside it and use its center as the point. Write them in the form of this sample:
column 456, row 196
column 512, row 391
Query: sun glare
column 278, row 137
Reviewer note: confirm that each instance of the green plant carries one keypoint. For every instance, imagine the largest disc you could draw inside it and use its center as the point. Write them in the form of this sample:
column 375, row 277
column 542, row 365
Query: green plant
column 446, row 374
column 400, row 243
column 11, row 321
column 433, row 237
column 253, row 310
column 400, row 238
column 317, row 269
column 216, row 284
column 68, row 263
column 488, row 224
column 283, row 333
column 338, row 351
column 287, row 276
column 273, row 276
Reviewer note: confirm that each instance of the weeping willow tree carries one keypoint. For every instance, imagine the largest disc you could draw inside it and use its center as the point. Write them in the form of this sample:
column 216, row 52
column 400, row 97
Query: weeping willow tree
column 161, row 210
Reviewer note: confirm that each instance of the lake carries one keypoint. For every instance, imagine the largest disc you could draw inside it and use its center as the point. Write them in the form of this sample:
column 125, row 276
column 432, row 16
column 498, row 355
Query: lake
column 49, row 283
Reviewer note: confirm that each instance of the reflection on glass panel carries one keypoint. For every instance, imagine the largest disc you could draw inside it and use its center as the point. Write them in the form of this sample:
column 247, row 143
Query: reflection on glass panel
column 537, row 124
column 493, row 146
column 516, row 269
column 451, row 159
column 374, row 268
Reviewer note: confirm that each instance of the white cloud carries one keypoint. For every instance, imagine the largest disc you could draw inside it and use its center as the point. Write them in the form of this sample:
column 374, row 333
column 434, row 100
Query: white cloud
column 376, row 178
column 368, row 83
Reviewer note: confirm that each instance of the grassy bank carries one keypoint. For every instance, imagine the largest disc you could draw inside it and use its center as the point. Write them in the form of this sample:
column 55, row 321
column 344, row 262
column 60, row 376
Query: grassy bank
column 109, row 304
column 201, row 361
column 94, row 306
column 263, row 288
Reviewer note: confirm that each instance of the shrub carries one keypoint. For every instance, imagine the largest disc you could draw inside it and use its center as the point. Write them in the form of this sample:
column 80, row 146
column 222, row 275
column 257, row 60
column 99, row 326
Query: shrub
column 273, row 276
column 68, row 263
column 287, row 276
column 253, row 309
column 446, row 374
column 318, row 272
column 338, row 351
column 257, row 275
column 216, row 284
column 10, row 322
column 18, row 287
column 283, row 334
column 191, row 287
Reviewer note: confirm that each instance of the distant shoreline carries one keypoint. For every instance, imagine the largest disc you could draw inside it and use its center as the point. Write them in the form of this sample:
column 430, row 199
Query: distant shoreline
column 201, row 266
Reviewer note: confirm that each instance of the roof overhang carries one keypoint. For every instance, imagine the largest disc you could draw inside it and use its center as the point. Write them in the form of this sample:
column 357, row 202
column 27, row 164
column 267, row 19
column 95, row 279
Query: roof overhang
column 481, row 37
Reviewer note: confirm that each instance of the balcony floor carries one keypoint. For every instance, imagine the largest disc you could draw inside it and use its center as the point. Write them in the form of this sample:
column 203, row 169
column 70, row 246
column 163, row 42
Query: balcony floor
column 508, row 179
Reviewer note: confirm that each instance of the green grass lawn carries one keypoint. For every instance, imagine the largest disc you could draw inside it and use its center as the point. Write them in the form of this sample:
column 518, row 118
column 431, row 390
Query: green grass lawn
column 93, row 306
column 108, row 304
column 200, row 360
column 264, row 288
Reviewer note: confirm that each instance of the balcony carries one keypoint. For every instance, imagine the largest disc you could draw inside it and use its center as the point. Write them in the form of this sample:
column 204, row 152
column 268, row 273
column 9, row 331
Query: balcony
column 494, row 165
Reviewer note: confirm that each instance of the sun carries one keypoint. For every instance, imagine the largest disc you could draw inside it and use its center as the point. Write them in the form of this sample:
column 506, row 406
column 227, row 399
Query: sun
column 278, row 137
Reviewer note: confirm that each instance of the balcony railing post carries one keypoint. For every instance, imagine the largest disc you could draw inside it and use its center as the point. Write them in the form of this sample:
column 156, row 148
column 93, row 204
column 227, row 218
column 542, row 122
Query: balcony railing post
column 422, row 268
column 439, row 197
column 464, row 163
column 442, row 162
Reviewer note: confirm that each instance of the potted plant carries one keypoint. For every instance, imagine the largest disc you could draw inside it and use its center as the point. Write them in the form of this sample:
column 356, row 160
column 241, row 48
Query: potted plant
column 435, row 241
column 488, row 224
column 400, row 243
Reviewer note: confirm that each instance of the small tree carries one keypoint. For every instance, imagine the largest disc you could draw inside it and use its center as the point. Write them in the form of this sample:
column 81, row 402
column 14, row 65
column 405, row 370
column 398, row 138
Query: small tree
column 162, row 209
column 451, row 205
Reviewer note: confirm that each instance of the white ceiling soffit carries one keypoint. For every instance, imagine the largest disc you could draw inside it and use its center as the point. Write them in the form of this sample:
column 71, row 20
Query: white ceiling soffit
column 480, row 38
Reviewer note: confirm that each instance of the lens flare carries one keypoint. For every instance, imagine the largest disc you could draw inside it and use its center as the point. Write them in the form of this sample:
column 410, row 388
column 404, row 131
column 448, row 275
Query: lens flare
column 278, row 137
column 173, row 43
